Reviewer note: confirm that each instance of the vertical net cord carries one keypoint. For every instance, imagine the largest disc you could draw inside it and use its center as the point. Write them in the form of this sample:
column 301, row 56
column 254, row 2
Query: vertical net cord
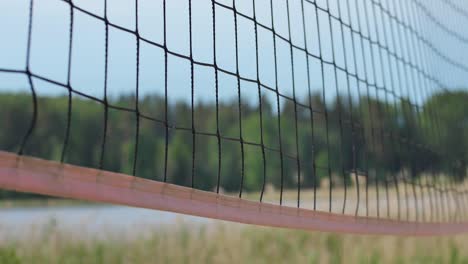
column 277, row 100
column 385, row 44
column 454, row 190
column 218, row 134
column 462, row 193
column 433, row 115
column 422, row 86
column 70, row 91
column 423, row 57
column 311, row 111
column 338, row 102
column 444, row 186
column 443, row 191
column 464, row 14
column 415, row 58
column 362, row 127
column 412, row 23
column 403, row 112
column 106, row 71
column 351, row 115
column 383, row 127
column 414, row 115
column 409, row 116
column 417, row 82
column 298, row 157
column 166, row 124
column 30, row 82
column 371, row 127
column 241, row 140
column 325, row 112
column 192, row 91
column 393, row 115
column 391, row 91
column 137, row 86
column 434, row 181
column 407, row 64
column 379, row 114
column 416, row 106
column 260, row 105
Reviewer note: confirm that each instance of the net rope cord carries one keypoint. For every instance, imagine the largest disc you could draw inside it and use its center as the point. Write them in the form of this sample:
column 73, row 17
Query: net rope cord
column 342, row 116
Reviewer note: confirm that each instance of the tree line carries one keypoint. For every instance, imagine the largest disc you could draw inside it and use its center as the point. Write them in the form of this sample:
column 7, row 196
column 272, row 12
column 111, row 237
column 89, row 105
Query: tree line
column 246, row 144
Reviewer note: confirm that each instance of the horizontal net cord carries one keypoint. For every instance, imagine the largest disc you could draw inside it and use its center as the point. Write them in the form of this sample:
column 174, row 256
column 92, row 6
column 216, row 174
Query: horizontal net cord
column 27, row 174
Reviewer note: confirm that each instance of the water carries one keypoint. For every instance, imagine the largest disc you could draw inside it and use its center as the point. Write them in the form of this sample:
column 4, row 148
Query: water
column 87, row 221
column 116, row 222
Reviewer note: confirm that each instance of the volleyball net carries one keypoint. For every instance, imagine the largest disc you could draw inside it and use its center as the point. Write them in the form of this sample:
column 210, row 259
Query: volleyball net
column 344, row 116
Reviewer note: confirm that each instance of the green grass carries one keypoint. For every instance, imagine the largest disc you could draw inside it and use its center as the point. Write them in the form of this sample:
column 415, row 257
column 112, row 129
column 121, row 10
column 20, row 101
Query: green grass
column 223, row 242
column 234, row 243
column 45, row 202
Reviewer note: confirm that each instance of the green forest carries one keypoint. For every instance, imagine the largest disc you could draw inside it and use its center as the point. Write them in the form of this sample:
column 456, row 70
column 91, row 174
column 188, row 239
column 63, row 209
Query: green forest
column 307, row 141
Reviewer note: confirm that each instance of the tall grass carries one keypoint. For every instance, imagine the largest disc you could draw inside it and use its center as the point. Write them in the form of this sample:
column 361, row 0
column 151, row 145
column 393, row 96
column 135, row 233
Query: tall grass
column 232, row 243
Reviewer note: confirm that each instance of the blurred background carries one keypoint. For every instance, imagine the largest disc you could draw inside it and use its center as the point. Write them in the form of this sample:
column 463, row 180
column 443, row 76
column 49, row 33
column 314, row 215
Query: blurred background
column 323, row 89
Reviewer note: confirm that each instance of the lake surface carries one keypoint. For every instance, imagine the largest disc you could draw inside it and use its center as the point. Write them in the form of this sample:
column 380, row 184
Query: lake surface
column 95, row 221
column 87, row 221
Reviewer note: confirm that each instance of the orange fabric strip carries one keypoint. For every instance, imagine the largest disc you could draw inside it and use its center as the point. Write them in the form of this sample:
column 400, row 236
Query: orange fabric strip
column 27, row 174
